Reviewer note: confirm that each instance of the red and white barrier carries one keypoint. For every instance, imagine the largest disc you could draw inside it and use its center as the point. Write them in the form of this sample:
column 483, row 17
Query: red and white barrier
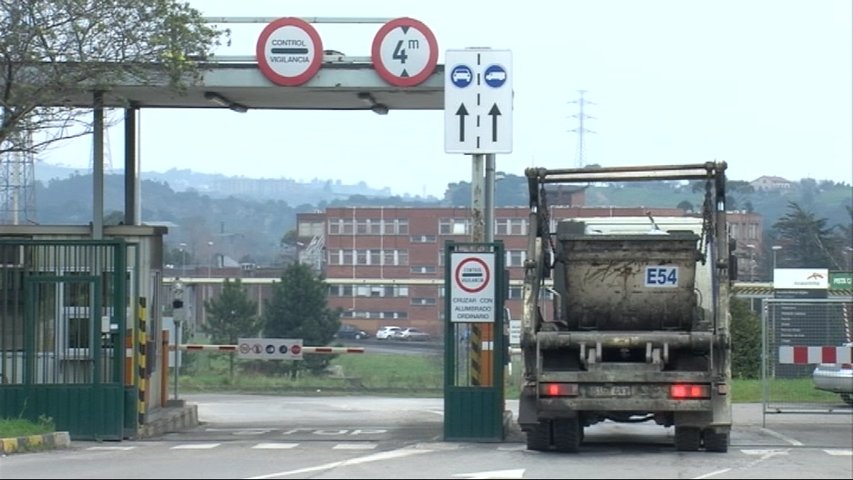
column 233, row 348
column 801, row 355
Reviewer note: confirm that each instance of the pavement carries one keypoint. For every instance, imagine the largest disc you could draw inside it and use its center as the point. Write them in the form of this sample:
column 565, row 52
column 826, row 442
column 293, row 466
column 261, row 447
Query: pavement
column 178, row 415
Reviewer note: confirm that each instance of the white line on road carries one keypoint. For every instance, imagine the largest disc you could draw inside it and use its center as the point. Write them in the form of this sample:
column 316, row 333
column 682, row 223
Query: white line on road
column 840, row 452
column 711, row 474
column 785, row 438
column 276, row 446
column 110, row 448
column 196, row 446
column 403, row 452
column 354, row 446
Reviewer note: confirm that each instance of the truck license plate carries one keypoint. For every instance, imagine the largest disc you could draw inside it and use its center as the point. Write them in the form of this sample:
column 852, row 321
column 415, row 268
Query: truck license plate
column 609, row 391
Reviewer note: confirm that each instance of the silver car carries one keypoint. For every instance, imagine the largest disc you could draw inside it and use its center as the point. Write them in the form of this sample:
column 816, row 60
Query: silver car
column 835, row 377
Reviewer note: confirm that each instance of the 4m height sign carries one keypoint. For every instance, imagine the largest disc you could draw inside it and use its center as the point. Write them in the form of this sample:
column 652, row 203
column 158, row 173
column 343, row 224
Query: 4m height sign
column 404, row 52
column 472, row 290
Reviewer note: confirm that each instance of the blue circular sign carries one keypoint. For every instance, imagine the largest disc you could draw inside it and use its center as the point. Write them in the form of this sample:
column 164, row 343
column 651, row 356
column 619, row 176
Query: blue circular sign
column 495, row 76
column 461, row 76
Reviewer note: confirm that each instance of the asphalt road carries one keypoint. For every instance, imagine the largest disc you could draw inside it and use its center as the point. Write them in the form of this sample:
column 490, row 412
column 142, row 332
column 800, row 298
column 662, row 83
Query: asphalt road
column 262, row 436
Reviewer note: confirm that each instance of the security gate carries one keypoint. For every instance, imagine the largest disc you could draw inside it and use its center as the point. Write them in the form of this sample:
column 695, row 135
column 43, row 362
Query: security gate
column 63, row 321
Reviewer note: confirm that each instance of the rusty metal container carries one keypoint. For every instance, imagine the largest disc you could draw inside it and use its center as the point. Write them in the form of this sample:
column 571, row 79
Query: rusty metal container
column 628, row 281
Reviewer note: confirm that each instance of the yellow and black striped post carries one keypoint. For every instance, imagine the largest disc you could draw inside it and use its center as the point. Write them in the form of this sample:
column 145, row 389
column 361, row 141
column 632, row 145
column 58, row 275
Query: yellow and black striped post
column 142, row 374
column 481, row 355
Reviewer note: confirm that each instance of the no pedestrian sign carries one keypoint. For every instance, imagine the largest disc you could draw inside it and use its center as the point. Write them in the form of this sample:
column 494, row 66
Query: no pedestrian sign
column 472, row 293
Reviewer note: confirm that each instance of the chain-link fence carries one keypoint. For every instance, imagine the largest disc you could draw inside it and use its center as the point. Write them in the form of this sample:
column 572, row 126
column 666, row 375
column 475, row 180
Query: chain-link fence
column 798, row 336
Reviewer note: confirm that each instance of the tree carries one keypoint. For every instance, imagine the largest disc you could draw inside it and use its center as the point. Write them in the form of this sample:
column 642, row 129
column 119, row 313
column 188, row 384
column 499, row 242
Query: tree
column 746, row 340
column 298, row 309
column 808, row 242
column 685, row 205
column 230, row 316
column 50, row 47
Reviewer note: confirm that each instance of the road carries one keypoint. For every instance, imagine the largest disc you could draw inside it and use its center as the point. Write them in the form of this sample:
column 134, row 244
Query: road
column 262, row 436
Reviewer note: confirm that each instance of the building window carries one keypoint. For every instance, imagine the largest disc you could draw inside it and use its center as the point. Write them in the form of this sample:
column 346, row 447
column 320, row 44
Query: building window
column 511, row 226
column 374, row 257
column 423, row 239
column 423, row 269
column 514, row 293
column 453, row 226
column 423, row 301
column 515, row 258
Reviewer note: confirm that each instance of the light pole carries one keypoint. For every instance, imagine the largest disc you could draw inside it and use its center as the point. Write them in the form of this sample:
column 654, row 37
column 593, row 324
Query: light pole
column 775, row 248
column 751, row 248
column 183, row 248
column 210, row 260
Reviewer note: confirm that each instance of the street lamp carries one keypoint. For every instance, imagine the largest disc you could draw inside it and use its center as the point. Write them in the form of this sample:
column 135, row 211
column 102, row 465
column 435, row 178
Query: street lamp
column 183, row 248
column 210, row 262
column 751, row 248
column 775, row 248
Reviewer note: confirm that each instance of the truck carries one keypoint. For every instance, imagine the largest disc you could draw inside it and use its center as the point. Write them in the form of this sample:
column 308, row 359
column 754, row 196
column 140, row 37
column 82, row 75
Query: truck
column 626, row 319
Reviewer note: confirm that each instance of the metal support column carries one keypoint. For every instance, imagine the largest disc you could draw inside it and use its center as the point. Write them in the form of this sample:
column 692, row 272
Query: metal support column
column 98, row 167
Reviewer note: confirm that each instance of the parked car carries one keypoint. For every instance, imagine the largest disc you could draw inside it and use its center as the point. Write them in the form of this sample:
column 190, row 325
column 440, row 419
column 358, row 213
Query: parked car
column 351, row 331
column 412, row 334
column 835, row 377
column 384, row 333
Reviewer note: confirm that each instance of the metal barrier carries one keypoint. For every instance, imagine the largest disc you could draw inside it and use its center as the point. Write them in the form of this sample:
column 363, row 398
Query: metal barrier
column 797, row 335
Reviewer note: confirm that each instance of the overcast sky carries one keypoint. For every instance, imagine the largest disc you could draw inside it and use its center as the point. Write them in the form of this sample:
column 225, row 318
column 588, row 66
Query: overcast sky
column 763, row 84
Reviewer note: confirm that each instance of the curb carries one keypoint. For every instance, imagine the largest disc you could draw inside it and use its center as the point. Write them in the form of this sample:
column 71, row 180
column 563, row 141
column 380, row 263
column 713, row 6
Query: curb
column 33, row 443
column 174, row 420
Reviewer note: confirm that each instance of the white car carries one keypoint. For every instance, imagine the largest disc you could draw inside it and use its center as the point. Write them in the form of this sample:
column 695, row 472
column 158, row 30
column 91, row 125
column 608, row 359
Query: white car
column 837, row 378
column 412, row 334
column 387, row 332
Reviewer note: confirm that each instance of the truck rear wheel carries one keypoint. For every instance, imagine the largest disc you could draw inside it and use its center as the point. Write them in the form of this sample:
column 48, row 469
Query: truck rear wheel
column 539, row 438
column 567, row 434
column 687, row 439
column 716, row 442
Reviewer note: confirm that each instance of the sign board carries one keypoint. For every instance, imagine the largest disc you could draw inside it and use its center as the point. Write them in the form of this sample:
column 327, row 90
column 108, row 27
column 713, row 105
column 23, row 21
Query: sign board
column 289, row 51
column 840, row 280
column 478, row 101
column 270, row 348
column 404, row 52
column 801, row 278
column 472, row 290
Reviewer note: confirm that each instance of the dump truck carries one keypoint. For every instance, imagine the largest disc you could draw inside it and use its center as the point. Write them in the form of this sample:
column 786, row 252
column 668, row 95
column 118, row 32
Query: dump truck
column 626, row 319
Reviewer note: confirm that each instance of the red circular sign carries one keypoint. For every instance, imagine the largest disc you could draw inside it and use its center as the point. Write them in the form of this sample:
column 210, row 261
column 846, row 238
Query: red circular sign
column 404, row 52
column 295, row 349
column 289, row 51
column 482, row 273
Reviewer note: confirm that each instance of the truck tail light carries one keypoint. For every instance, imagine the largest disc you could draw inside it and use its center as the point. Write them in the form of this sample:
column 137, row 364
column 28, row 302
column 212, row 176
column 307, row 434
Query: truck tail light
column 558, row 389
column 682, row 391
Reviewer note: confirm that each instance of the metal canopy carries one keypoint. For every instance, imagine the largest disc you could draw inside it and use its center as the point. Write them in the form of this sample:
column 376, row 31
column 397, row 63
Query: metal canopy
column 343, row 83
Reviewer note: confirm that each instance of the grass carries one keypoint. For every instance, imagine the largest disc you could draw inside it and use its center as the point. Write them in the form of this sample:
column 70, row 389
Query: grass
column 21, row 427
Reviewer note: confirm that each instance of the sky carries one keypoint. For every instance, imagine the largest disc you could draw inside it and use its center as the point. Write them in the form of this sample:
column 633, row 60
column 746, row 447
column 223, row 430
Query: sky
column 764, row 85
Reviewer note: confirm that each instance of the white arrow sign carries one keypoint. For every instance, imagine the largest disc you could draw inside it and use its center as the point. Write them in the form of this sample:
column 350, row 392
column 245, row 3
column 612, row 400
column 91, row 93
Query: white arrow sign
column 478, row 101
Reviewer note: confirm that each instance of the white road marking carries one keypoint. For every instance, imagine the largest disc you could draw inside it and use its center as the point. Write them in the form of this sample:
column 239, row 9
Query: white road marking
column 110, row 448
column 376, row 457
column 516, row 473
column 841, row 452
column 275, row 446
column 354, row 446
column 785, row 438
column 711, row 474
column 196, row 446
column 768, row 452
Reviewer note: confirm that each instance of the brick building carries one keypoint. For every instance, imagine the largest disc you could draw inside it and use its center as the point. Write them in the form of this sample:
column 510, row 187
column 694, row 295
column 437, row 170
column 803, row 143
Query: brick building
column 385, row 265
